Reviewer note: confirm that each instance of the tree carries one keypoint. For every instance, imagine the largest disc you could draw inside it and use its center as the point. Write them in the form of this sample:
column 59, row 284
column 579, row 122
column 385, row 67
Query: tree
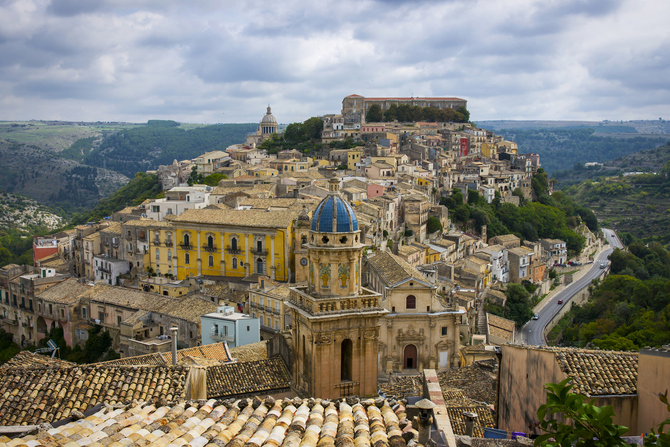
column 464, row 112
column 374, row 114
column 433, row 225
column 585, row 423
column 518, row 307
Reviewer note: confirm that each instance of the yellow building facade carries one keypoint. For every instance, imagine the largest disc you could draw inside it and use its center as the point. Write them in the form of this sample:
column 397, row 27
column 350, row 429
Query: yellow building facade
column 353, row 157
column 238, row 243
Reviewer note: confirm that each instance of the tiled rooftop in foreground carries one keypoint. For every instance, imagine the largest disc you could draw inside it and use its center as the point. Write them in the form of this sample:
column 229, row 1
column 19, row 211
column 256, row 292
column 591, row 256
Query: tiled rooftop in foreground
column 250, row 423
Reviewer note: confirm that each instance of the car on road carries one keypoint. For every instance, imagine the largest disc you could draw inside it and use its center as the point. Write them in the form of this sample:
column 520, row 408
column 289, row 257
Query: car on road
column 560, row 301
column 603, row 265
column 536, row 317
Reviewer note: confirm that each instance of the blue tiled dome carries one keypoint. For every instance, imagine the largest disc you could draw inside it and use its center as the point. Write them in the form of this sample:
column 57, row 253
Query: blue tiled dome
column 334, row 215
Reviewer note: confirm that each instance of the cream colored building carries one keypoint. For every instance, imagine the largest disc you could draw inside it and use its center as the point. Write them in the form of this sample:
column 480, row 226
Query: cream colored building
column 421, row 330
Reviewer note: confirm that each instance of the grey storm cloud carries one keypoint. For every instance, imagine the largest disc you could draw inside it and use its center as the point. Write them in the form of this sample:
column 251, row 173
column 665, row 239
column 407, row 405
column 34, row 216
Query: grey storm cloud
column 224, row 61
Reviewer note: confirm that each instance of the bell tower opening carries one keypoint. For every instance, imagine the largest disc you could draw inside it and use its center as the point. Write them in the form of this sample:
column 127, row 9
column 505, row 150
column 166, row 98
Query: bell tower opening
column 346, row 358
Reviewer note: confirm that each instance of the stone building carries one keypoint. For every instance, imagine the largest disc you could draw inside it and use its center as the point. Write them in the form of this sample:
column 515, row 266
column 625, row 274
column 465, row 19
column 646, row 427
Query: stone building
column 354, row 107
column 336, row 322
column 421, row 330
column 266, row 128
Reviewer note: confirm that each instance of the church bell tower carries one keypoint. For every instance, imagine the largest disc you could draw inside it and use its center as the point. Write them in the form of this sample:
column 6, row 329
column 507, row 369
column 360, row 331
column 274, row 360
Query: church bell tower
column 335, row 320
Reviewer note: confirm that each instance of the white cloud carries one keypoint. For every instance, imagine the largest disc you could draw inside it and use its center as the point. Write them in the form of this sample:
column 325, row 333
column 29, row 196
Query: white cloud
column 212, row 61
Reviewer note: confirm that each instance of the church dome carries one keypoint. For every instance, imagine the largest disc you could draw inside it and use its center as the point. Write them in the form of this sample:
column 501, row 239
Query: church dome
column 334, row 215
column 269, row 118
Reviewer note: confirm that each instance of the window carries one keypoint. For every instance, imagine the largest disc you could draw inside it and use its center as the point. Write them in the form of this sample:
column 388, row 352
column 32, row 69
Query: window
column 101, row 313
column 259, row 266
column 211, row 261
column 187, row 239
column 169, row 255
column 233, row 244
column 210, row 241
column 158, row 255
column 157, row 238
column 83, row 313
column 225, row 330
column 187, row 258
column 444, row 330
column 62, row 313
column 155, row 209
column 118, row 319
column 234, row 263
column 51, row 309
column 410, row 302
column 247, row 328
column 346, row 360
column 259, row 246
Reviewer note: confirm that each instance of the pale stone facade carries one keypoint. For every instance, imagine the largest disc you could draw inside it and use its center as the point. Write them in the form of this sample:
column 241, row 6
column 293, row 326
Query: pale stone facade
column 422, row 330
column 336, row 322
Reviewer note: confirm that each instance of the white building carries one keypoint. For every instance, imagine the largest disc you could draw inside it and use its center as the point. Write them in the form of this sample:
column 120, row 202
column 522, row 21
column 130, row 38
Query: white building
column 234, row 328
column 109, row 269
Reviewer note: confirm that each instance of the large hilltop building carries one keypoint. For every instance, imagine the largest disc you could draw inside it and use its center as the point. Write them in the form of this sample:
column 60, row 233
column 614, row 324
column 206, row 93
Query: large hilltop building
column 266, row 128
column 354, row 107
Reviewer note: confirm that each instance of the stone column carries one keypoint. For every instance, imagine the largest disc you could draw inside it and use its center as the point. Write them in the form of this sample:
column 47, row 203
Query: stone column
column 352, row 276
column 272, row 257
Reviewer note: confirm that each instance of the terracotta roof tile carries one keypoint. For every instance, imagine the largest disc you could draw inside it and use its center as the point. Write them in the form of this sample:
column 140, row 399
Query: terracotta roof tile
column 215, row 351
column 250, row 352
column 47, row 394
column 393, row 269
column 65, row 292
column 248, row 377
column 288, row 422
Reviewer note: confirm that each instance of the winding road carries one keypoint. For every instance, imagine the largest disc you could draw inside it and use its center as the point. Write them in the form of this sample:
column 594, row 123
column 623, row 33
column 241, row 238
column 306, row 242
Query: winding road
column 532, row 332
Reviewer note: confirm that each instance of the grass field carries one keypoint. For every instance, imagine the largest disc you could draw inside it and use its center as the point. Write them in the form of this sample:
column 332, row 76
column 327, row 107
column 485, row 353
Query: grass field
column 55, row 135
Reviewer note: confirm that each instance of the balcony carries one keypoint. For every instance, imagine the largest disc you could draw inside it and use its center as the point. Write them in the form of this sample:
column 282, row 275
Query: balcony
column 260, row 252
column 186, row 246
column 211, row 249
column 233, row 251
column 105, row 269
column 168, row 243
column 157, row 243
column 214, row 335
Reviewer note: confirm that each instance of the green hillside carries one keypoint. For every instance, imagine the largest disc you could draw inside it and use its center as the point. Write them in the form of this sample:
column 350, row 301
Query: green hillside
column 145, row 148
column 638, row 204
column 564, row 147
column 629, row 310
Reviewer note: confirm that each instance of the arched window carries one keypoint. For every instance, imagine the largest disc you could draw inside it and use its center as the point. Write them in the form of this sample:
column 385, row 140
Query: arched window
column 234, row 263
column 346, row 359
column 233, row 244
column 187, row 239
column 157, row 238
column 259, row 266
column 187, row 258
column 211, row 261
column 158, row 255
column 169, row 255
column 410, row 302
column 210, row 241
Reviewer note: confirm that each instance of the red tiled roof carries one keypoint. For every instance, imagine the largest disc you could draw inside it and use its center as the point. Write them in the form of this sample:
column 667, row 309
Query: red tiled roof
column 354, row 96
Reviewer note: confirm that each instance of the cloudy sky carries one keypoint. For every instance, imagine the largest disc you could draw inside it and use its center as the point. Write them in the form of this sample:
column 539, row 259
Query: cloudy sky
column 210, row 61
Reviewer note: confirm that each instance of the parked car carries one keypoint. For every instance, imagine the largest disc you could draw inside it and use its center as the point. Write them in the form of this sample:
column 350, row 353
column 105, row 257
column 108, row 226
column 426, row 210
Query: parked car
column 536, row 317
column 560, row 301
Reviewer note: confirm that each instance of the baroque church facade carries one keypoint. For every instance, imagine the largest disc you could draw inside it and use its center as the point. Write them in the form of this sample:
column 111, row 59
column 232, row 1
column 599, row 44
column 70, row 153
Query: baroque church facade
column 336, row 321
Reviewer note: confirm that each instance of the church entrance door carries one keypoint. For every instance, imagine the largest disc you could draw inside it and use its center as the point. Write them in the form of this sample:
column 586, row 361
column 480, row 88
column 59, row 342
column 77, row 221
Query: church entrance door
column 410, row 357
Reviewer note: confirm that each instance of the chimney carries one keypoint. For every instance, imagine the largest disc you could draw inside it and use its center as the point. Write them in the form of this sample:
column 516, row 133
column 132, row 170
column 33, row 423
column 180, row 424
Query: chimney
column 196, row 383
column 470, row 418
column 174, row 331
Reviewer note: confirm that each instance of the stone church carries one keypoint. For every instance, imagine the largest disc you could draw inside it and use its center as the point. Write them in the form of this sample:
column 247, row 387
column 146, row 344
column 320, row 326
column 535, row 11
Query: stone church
column 336, row 321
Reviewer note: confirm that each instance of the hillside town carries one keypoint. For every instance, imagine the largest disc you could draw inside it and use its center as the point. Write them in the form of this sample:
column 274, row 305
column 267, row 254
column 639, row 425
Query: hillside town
column 302, row 288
